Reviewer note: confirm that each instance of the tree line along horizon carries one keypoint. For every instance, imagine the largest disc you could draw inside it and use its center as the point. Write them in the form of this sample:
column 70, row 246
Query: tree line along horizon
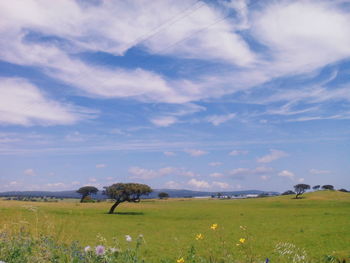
column 132, row 192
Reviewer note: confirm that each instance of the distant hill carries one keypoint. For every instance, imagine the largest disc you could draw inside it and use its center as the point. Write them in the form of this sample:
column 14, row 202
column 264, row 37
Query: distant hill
column 172, row 193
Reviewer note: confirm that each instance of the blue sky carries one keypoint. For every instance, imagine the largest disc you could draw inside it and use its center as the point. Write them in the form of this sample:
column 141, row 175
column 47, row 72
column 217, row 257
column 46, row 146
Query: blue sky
column 203, row 95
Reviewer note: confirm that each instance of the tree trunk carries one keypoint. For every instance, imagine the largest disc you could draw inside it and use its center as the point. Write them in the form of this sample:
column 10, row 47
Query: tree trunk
column 111, row 211
column 82, row 198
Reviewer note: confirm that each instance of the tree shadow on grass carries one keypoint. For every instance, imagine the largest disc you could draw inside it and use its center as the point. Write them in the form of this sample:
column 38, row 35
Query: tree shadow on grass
column 128, row 213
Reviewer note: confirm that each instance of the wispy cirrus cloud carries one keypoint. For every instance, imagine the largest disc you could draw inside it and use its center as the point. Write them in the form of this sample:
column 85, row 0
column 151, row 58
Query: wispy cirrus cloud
column 195, row 152
column 23, row 103
column 272, row 156
column 241, row 173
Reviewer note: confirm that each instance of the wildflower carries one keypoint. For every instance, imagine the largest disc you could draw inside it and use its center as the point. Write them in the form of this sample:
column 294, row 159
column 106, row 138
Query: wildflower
column 128, row 238
column 180, row 260
column 214, row 226
column 242, row 240
column 100, row 250
column 267, row 260
column 199, row 237
column 86, row 249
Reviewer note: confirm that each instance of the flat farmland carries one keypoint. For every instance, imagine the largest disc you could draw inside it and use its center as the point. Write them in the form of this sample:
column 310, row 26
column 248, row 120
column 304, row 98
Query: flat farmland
column 319, row 223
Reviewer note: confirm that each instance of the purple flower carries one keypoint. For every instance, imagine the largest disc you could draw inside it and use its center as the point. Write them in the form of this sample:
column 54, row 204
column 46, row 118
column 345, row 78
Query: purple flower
column 100, row 250
column 267, row 260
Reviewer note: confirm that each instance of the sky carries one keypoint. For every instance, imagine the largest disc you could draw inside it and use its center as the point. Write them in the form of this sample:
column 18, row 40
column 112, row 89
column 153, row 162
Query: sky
column 212, row 95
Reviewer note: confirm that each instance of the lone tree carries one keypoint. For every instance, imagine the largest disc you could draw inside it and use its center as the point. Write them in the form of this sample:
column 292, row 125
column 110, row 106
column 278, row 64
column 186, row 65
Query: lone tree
column 343, row 190
column 328, row 187
column 163, row 195
column 86, row 191
column 316, row 187
column 130, row 192
column 300, row 189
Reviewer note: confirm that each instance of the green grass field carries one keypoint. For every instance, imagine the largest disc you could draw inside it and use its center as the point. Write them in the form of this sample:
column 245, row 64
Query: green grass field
column 319, row 223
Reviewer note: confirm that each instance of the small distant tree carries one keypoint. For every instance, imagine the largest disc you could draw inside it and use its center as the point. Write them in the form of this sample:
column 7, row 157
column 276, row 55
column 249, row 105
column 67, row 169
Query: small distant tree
column 86, row 191
column 328, row 187
column 316, row 187
column 300, row 189
column 219, row 195
column 343, row 190
column 163, row 195
column 129, row 192
column 288, row 192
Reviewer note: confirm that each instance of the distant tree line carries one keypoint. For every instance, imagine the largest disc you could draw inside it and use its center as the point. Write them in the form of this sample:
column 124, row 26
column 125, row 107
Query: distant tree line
column 300, row 189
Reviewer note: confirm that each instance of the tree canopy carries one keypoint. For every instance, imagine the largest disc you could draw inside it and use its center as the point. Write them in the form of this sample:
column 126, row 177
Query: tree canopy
column 300, row 189
column 288, row 192
column 126, row 192
column 86, row 191
column 163, row 195
column 328, row 187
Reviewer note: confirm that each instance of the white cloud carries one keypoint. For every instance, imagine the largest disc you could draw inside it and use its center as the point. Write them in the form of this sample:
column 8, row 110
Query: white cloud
column 301, row 180
column 240, row 173
column 265, row 177
column 164, row 121
column 316, row 171
column 195, row 152
column 22, row 103
column 75, row 183
column 145, row 174
column 92, row 180
column 216, row 175
column 274, row 155
column 216, row 120
column 286, row 173
column 29, row 172
column 113, row 27
column 303, row 35
column 238, row 152
column 215, row 164
column 172, row 185
column 101, row 165
column 221, row 185
column 198, row 184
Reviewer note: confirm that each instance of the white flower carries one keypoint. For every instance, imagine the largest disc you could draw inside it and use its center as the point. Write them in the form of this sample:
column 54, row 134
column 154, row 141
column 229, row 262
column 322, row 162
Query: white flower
column 128, row 238
column 86, row 249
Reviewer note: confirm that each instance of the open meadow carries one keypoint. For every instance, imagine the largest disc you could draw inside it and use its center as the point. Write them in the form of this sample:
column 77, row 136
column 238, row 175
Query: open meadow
column 318, row 224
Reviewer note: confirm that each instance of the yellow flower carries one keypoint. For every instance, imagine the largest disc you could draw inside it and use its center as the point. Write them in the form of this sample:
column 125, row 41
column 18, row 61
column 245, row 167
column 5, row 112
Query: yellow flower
column 214, row 226
column 180, row 260
column 199, row 237
column 242, row 240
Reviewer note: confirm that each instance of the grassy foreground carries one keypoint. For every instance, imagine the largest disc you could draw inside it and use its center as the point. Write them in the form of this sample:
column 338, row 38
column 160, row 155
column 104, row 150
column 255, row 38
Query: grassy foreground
column 319, row 224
